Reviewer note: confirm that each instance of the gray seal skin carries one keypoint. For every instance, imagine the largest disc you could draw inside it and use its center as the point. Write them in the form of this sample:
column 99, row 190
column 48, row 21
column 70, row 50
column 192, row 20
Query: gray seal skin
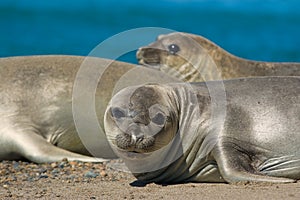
column 194, row 58
column 36, row 106
column 259, row 140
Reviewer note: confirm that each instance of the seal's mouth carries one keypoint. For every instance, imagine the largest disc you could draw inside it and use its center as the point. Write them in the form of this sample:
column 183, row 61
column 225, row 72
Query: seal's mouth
column 149, row 57
column 134, row 144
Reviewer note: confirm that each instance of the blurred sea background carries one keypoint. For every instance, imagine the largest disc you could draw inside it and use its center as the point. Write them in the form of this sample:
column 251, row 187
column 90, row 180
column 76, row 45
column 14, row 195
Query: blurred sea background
column 267, row 30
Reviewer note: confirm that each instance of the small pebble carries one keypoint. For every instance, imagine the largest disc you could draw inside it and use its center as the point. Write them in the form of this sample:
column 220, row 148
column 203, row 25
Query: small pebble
column 43, row 170
column 43, row 176
column 90, row 174
column 103, row 173
column 55, row 171
column 61, row 165
column 15, row 165
column 73, row 163
column 53, row 165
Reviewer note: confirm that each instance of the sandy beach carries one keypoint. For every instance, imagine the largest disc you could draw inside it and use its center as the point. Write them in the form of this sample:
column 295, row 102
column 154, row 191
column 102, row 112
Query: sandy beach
column 74, row 180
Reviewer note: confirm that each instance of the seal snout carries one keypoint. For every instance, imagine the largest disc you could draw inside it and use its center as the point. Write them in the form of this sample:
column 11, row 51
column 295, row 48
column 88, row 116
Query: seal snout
column 134, row 139
column 149, row 56
column 139, row 121
column 135, row 133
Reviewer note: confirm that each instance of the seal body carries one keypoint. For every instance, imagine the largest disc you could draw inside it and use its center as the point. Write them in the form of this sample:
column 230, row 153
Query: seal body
column 36, row 107
column 195, row 136
column 194, row 58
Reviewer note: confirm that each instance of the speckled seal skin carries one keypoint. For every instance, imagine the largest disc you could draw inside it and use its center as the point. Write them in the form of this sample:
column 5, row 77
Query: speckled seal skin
column 194, row 58
column 36, row 106
column 259, row 140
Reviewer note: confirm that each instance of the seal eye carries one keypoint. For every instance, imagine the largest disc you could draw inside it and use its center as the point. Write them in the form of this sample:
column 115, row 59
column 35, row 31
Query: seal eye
column 173, row 48
column 159, row 119
column 117, row 113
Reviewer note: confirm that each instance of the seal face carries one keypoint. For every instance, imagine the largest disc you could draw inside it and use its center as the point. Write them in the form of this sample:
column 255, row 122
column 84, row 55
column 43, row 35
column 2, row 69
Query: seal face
column 258, row 140
column 173, row 54
column 143, row 123
column 193, row 58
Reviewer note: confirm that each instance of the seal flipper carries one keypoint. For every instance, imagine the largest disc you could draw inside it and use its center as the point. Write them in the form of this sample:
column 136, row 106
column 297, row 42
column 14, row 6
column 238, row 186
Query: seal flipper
column 36, row 149
column 287, row 166
column 235, row 165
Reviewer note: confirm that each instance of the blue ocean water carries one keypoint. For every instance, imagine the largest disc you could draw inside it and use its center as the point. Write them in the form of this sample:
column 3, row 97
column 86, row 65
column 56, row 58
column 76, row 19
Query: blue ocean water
column 266, row 30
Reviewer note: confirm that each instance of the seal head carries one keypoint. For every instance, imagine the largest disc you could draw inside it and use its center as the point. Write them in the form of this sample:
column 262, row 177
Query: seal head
column 193, row 58
column 179, row 55
column 141, row 124
column 154, row 127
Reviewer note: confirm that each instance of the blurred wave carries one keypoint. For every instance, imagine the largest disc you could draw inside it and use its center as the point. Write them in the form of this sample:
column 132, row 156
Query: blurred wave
column 261, row 30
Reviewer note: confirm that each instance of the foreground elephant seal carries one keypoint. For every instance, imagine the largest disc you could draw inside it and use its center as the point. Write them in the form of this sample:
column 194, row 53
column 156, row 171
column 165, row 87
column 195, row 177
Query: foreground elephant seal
column 36, row 106
column 194, row 58
column 171, row 133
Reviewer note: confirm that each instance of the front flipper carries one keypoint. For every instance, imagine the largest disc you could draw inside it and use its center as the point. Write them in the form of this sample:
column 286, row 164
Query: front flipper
column 237, row 165
column 36, row 149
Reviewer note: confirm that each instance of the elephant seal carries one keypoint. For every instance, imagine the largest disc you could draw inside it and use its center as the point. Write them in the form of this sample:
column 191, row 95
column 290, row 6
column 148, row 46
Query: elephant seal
column 168, row 133
column 194, row 58
column 37, row 122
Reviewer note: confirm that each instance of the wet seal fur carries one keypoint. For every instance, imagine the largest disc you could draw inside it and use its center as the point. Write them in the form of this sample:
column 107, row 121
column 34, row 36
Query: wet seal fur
column 194, row 58
column 36, row 106
column 259, row 140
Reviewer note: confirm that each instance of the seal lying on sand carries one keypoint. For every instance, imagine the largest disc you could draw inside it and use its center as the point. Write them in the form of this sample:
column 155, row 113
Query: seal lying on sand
column 194, row 58
column 36, row 106
column 179, row 132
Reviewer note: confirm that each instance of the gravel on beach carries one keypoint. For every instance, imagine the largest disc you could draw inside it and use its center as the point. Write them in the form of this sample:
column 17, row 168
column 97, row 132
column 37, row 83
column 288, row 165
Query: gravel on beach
column 15, row 173
column 78, row 180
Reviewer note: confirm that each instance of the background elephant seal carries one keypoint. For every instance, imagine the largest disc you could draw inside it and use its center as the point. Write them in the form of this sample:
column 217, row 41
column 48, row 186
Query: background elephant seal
column 36, row 106
column 194, row 58
column 168, row 133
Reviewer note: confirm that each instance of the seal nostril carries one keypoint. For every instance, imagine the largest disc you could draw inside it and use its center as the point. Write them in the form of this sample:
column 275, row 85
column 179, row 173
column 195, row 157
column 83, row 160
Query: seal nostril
column 139, row 138
column 133, row 139
column 132, row 113
column 136, row 139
